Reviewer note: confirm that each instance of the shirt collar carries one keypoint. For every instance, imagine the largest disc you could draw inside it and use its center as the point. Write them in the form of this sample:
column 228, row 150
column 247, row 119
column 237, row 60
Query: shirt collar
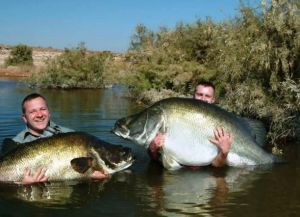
column 52, row 128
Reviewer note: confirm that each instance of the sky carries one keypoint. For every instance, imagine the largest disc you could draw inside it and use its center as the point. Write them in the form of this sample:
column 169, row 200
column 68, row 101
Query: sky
column 100, row 24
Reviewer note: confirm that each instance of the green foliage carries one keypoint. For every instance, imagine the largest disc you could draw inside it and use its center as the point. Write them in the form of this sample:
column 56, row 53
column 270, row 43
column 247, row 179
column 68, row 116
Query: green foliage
column 20, row 55
column 161, row 60
column 142, row 38
column 262, row 53
column 75, row 68
column 253, row 59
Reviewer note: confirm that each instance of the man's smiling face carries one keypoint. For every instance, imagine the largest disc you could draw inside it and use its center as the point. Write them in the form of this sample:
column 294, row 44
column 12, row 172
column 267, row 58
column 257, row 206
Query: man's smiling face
column 36, row 115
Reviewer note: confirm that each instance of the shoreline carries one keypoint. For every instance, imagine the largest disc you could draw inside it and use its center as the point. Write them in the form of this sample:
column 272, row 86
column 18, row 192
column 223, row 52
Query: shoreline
column 14, row 74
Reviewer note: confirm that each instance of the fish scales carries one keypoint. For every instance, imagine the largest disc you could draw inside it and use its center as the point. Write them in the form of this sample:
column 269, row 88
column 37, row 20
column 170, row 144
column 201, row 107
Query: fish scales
column 188, row 125
column 56, row 153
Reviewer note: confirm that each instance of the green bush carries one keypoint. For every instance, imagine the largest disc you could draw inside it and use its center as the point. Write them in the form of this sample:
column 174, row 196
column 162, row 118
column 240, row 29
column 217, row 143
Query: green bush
column 75, row 68
column 20, row 55
column 253, row 59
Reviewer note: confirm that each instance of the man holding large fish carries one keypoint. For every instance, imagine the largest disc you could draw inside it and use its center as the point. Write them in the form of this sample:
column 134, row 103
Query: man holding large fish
column 204, row 91
column 36, row 115
column 188, row 126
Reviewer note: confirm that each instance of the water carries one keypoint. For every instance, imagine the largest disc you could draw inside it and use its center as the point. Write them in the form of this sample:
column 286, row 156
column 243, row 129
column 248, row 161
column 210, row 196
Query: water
column 145, row 189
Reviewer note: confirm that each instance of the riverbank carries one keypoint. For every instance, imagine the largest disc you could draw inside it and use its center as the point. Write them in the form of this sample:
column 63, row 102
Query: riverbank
column 39, row 55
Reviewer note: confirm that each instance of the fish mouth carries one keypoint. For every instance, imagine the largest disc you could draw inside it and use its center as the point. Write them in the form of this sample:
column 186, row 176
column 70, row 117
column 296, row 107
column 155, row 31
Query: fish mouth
column 121, row 166
column 121, row 131
column 117, row 157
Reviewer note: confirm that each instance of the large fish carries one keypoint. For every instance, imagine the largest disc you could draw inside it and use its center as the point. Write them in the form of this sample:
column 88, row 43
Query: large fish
column 67, row 156
column 188, row 125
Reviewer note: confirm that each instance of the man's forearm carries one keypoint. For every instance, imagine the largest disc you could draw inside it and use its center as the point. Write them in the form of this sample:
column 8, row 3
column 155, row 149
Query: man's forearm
column 223, row 142
column 220, row 160
column 153, row 154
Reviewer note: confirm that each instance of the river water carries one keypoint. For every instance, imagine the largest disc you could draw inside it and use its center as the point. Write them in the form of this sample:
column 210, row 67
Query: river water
column 145, row 189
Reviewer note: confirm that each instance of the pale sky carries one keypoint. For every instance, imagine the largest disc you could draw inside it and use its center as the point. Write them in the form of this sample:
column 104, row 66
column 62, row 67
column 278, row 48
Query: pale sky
column 101, row 25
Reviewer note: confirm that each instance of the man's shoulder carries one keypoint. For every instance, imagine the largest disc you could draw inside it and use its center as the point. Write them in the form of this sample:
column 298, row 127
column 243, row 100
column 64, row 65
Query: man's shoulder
column 53, row 128
column 20, row 137
column 59, row 128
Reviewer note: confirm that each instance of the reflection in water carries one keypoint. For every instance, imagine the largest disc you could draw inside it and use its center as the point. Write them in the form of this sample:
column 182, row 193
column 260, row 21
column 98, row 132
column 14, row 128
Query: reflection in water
column 60, row 194
column 187, row 192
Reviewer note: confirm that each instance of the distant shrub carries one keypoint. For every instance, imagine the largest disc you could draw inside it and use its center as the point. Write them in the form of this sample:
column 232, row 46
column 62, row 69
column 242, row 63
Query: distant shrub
column 75, row 68
column 20, row 55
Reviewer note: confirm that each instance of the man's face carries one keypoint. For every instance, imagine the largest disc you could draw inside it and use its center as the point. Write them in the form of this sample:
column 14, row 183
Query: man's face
column 205, row 93
column 36, row 115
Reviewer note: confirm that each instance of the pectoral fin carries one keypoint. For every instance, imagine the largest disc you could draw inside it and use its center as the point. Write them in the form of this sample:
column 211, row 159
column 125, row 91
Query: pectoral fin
column 82, row 164
column 169, row 163
column 257, row 129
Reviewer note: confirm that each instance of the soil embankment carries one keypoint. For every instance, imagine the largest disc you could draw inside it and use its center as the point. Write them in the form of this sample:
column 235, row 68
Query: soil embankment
column 39, row 55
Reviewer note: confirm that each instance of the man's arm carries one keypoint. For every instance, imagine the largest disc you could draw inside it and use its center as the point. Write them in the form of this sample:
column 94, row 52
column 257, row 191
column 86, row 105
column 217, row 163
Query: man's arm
column 155, row 146
column 99, row 175
column 223, row 141
column 40, row 176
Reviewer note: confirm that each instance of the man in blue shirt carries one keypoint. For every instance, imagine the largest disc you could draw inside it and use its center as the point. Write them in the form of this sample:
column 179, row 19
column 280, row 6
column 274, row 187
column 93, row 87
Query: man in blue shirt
column 36, row 115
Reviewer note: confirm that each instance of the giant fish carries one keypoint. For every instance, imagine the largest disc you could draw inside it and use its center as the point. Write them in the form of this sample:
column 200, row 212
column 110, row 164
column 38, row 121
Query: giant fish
column 188, row 124
column 66, row 156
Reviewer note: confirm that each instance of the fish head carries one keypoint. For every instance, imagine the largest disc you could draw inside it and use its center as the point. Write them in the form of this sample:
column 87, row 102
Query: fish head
column 141, row 127
column 111, row 158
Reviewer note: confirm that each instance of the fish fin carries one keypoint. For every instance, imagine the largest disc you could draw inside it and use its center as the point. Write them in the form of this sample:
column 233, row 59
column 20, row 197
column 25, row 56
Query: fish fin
column 257, row 129
column 82, row 164
column 169, row 163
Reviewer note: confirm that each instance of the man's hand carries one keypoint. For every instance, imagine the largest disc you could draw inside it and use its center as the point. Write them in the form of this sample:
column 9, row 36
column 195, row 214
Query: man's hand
column 157, row 142
column 156, row 145
column 39, row 176
column 223, row 141
column 99, row 175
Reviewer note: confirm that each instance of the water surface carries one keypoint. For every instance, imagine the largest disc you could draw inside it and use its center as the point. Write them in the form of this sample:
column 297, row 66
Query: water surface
column 145, row 189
